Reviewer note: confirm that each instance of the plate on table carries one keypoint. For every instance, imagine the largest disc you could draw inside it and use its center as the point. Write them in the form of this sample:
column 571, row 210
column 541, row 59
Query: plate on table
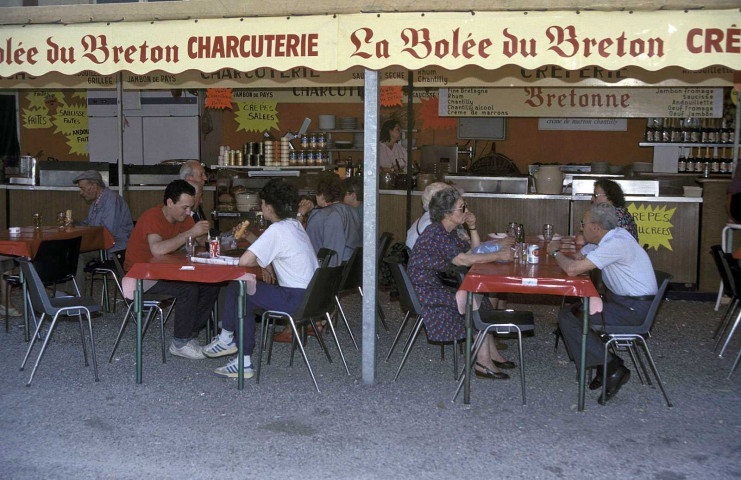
column 555, row 237
column 497, row 236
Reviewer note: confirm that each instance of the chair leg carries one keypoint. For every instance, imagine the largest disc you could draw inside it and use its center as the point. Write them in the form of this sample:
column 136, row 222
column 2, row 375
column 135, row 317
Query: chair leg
column 337, row 342
column 33, row 340
column 633, row 359
column 644, row 369
column 120, row 332
column 162, row 333
column 82, row 338
column 344, row 319
column 522, row 364
column 655, row 371
column 723, row 324
column 408, row 348
column 297, row 339
column 92, row 345
column 7, row 306
column 271, row 332
column 557, row 333
column 455, row 358
column 730, row 335
column 398, row 334
column 735, row 364
column 477, row 343
column 107, row 304
column 319, row 339
column 604, row 369
column 43, row 348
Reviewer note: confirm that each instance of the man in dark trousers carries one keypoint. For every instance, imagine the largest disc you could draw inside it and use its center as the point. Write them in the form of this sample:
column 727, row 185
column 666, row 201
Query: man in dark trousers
column 631, row 283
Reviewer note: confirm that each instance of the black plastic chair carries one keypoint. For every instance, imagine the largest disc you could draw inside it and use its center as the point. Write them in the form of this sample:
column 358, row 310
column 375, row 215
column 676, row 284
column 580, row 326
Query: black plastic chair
column 734, row 281
column 41, row 303
column 152, row 304
column 317, row 302
column 55, row 262
column 724, row 261
column 104, row 269
column 410, row 303
column 626, row 337
column 324, row 255
column 502, row 322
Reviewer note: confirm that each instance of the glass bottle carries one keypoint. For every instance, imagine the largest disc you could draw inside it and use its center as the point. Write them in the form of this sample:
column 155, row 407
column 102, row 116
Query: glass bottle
column 675, row 130
column 686, row 130
column 690, row 165
column 704, row 131
column 695, row 131
column 682, row 162
column 648, row 134
column 666, row 131
column 715, row 164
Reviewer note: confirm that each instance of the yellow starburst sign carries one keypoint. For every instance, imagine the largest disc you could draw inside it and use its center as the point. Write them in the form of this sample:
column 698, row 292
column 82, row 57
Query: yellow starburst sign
column 257, row 115
column 37, row 117
column 654, row 226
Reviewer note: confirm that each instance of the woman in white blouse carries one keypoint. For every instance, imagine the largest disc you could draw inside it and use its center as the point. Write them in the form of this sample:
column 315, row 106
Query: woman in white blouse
column 391, row 155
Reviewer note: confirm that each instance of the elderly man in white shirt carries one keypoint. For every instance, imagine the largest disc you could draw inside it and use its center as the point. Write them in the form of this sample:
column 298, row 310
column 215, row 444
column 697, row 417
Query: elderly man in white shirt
column 629, row 277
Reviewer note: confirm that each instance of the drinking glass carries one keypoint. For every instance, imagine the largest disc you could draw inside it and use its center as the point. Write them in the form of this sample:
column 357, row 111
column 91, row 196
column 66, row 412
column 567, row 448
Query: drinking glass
column 512, row 229
column 190, row 247
column 37, row 220
column 547, row 232
column 61, row 219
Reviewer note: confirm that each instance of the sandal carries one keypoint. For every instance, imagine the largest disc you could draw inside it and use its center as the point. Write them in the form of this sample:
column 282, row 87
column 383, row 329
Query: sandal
column 489, row 373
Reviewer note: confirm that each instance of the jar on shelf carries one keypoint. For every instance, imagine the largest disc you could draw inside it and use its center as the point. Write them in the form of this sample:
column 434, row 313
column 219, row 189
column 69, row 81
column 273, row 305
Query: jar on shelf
column 321, row 141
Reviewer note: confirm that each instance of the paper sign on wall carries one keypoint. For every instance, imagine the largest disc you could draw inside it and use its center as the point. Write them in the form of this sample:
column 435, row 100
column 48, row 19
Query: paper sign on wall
column 391, row 96
column 219, row 98
column 257, row 115
column 654, row 226
column 430, row 118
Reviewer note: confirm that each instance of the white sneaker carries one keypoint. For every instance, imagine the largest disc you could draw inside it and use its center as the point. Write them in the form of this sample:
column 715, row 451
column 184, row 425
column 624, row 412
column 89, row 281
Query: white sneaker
column 231, row 370
column 190, row 350
column 217, row 348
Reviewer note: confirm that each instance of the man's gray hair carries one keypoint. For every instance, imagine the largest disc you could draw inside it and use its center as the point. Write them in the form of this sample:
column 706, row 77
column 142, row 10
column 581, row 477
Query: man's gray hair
column 431, row 190
column 604, row 215
column 187, row 168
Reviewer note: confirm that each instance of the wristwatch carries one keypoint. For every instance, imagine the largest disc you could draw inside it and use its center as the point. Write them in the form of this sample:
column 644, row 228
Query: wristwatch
column 555, row 253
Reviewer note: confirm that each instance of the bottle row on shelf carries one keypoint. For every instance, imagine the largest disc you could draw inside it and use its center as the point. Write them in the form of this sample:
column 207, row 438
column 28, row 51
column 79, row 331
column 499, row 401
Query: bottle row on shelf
column 689, row 130
column 705, row 163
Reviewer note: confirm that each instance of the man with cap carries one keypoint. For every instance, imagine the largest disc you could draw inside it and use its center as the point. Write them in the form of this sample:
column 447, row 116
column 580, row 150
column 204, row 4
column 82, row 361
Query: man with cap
column 107, row 209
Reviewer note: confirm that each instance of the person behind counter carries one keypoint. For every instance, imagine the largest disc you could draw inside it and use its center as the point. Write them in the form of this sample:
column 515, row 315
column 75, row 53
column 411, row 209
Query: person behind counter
column 607, row 191
column 193, row 172
column 391, row 155
column 164, row 229
column 285, row 253
column 441, row 244
column 107, row 209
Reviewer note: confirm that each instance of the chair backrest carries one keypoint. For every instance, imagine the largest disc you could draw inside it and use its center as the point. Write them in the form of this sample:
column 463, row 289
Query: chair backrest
column 734, row 272
column 384, row 242
column 662, row 280
column 39, row 298
column 724, row 261
column 324, row 255
column 407, row 295
column 352, row 274
column 320, row 293
column 56, row 260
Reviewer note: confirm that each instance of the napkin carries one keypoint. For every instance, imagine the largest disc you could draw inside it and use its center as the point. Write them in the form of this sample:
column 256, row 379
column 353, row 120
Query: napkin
column 216, row 260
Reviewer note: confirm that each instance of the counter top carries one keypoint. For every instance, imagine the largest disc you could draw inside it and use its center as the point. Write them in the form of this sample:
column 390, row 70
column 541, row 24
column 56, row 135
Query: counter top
column 535, row 196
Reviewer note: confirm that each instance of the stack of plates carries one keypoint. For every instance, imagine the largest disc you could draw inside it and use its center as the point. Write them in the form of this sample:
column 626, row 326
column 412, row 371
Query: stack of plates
column 348, row 123
column 326, row 122
column 643, row 167
column 247, row 201
column 616, row 169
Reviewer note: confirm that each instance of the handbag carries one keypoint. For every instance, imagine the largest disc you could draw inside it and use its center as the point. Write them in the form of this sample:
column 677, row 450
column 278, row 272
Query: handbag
column 451, row 276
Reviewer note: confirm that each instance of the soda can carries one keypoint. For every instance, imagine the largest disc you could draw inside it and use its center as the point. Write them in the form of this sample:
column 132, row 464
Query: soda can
column 532, row 253
column 214, row 248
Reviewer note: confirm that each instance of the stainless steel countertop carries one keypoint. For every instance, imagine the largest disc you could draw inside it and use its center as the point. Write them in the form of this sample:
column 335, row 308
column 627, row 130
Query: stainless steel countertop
column 534, row 196
column 131, row 188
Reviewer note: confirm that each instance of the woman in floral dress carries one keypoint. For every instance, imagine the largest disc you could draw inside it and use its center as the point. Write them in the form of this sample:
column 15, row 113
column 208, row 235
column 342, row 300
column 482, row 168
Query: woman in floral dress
column 444, row 242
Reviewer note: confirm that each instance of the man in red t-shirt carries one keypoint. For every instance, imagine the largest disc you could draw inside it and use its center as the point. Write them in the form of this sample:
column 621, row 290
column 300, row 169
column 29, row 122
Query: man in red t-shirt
column 163, row 229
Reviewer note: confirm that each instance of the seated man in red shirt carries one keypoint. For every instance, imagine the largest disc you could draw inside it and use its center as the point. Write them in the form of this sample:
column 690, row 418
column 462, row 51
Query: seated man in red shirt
column 163, row 229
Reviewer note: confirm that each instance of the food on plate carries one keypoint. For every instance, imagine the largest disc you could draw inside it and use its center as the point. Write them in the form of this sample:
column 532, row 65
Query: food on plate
column 241, row 228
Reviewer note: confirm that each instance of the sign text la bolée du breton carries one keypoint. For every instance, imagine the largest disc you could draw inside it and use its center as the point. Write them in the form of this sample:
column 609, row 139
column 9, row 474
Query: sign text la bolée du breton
column 451, row 40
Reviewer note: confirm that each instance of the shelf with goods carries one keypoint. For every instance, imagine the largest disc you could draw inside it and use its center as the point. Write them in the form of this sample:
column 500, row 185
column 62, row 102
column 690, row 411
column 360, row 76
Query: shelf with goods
column 685, row 145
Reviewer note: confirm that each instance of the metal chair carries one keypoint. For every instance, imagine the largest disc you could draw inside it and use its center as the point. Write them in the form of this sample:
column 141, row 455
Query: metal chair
column 730, row 275
column 42, row 303
column 626, row 337
column 410, row 302
column 317, row 302
column 55, row 262
column 324, row 255
column 502, row 322
column 151, row 304
column 104, row 269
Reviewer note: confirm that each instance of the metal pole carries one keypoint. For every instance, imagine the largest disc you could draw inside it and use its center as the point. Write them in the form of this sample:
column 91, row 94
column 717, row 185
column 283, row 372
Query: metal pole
column 583, row 358
column 736, row 129
column 240, row 350
column 370, row 226
column 410, row 127
column 138, row 313
column 119, row 129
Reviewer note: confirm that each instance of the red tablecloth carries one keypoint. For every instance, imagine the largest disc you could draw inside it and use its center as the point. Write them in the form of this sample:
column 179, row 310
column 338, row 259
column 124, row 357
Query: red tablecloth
column 27, row 243
column 169, row 267
column 545, row 277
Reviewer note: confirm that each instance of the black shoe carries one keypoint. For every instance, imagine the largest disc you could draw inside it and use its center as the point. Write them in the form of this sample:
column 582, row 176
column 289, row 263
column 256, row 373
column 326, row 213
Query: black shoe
column 490, row 374
column 506, row 365
column 614, row 382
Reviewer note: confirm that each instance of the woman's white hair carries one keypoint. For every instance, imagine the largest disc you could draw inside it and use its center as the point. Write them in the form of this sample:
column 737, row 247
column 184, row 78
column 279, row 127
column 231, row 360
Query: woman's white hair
column 431, row 190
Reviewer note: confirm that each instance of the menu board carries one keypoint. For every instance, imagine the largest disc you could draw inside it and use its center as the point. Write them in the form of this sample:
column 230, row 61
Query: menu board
column 581, row 102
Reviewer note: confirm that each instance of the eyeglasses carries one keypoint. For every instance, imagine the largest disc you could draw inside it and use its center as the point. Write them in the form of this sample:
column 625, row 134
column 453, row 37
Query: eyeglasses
column 582, row 224
column 463, row 207
column 595, row 195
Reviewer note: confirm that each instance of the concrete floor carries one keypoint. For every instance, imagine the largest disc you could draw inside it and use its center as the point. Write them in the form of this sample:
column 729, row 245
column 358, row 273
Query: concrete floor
column 184, row 422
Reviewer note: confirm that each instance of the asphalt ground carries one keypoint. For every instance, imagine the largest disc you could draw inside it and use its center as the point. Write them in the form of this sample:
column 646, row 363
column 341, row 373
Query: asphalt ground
column 184, row 422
